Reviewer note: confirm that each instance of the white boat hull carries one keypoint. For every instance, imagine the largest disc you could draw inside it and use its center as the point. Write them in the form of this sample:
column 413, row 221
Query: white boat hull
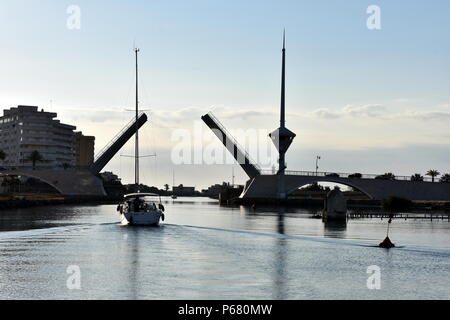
column 151, row 218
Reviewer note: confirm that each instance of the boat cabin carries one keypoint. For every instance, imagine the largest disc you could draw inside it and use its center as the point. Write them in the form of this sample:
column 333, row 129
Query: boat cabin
column 141, row 202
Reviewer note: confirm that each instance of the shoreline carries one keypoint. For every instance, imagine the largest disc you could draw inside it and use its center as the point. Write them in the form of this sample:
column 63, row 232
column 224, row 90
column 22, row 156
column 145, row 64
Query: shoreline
column 39, row 200
column 30, row 201
column 351, row 204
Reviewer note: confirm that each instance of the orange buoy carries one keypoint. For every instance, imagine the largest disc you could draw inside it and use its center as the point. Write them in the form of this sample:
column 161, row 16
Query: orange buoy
column 387, row 244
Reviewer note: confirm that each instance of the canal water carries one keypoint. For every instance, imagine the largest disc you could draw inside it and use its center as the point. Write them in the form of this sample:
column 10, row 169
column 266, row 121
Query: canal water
column 204, row 251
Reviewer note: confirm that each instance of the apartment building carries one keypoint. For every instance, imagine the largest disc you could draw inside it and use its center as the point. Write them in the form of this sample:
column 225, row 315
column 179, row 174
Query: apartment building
column 26, row 129
column 84, row 149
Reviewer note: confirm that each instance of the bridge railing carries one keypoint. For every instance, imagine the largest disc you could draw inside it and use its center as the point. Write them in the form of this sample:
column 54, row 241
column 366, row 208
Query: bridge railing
column 117, row 136
column 345, row 175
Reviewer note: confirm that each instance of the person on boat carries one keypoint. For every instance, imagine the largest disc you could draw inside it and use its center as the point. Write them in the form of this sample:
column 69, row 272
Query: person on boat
column 136, row 204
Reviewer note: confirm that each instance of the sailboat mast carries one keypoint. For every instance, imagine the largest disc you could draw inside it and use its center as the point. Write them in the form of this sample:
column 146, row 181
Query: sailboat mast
column 136, row 170
column 283, row 86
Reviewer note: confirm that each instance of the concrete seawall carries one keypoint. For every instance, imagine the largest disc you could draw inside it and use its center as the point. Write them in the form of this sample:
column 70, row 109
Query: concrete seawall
column 29, row 202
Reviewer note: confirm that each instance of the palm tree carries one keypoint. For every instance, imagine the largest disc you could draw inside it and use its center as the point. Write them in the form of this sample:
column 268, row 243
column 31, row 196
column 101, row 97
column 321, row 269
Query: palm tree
column 386, row 176
column 390, row 176
column 445, row 178
column 433, row 174
column 166, row 187
column 417, row 177
column 35, row 156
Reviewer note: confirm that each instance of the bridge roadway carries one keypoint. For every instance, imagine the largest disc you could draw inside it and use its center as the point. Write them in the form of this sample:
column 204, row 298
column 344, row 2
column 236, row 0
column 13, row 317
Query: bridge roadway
column 265, row 186
column 71, row 182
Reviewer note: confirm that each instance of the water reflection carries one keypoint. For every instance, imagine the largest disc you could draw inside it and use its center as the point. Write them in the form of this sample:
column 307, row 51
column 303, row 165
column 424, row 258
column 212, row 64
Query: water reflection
column 281, row 214
column 141, row 251
column 335, row 228
column 45, row 217
column 132, row 246
column 280, row 258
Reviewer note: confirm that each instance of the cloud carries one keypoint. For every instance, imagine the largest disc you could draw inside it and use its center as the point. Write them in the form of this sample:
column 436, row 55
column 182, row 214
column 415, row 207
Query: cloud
column 182, row 117
column 324, row 114
column 376, row 111
column 425, row 115
column 246, row 114
column 96, row 115
column 403, row 100
column 366, row 111
column 371, row 111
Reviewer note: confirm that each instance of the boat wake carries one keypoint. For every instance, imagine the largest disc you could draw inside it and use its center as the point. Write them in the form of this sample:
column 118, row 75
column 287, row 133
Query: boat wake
column 7, row 235
column 345, row 242
column 11, row 235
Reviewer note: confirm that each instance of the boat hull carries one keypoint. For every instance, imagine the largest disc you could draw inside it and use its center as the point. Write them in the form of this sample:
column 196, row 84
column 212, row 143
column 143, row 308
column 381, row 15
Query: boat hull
column 141, row 218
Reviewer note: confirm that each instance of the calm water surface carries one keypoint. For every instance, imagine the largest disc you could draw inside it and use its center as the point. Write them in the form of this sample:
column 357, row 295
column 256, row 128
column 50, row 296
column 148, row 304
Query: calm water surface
column 204, row 251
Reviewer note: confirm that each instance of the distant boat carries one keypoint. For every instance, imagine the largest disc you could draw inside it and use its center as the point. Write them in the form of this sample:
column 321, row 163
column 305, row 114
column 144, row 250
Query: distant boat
column 136, row 208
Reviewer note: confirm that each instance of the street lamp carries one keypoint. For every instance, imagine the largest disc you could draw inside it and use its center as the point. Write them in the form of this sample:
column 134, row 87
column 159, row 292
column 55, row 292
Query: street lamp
column 317, row 164
column 232, row 176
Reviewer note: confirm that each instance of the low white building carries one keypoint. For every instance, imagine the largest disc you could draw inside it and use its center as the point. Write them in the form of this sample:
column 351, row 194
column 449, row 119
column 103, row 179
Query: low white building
column 26, row 129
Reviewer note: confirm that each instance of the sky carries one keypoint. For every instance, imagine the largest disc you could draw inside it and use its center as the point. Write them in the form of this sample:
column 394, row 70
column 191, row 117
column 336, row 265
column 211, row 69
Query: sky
column 370, row 101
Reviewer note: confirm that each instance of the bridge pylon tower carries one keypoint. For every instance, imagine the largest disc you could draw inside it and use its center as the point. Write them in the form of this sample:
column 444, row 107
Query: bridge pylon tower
column 282, row 137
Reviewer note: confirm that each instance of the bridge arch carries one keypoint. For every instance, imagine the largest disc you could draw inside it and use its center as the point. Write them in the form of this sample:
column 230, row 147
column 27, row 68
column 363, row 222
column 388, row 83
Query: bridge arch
column 71, row 182
column 34, row 176
column 310, row 180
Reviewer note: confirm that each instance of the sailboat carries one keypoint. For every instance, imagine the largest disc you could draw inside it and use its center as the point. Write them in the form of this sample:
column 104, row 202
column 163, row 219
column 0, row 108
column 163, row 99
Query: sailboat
column 174, row 195
column 140, row 208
